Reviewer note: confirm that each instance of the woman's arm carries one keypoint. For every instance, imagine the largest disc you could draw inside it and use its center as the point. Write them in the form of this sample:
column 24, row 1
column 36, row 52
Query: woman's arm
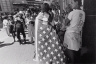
column 67, row 22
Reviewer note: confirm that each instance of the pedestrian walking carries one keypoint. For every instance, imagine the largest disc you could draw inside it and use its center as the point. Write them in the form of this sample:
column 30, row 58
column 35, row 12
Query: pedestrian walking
column 20, row 29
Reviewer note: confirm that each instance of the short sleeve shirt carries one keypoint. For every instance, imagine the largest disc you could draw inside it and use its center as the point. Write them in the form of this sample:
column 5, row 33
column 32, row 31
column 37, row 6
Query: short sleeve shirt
column 72, row 36
column 77, row 18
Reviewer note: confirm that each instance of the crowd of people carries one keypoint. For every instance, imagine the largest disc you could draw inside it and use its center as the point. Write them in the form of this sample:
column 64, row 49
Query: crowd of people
column 57, row 42
column 19, row 22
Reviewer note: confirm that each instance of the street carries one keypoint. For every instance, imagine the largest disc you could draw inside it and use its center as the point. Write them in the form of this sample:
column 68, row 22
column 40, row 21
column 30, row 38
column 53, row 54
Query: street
column 14, row 53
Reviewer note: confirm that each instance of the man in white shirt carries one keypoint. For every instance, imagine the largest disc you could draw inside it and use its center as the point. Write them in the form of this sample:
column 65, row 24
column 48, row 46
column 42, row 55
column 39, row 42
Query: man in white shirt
column 73, row 34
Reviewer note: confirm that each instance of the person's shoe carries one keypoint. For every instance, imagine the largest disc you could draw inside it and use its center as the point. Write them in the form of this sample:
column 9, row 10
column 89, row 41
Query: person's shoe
column 24, row 41
column 32, row 42
column 20, row 42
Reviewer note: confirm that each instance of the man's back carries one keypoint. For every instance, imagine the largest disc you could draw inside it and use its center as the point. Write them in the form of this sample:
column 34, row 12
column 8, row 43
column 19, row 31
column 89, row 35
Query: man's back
column 77, row 18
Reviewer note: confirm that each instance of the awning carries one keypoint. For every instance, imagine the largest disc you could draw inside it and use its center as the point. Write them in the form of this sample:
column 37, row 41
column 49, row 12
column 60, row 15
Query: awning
column 20, row 2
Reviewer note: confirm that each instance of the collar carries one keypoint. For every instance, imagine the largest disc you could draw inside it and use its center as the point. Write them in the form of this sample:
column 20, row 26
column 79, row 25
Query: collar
column 76, row 9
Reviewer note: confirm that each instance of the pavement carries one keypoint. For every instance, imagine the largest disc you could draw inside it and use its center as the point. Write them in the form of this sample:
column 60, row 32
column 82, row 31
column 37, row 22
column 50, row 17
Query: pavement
column 14, row 53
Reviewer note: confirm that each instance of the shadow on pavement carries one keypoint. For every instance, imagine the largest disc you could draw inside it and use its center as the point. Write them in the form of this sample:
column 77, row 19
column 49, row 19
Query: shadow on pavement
column 3, row 45
column 27, row 42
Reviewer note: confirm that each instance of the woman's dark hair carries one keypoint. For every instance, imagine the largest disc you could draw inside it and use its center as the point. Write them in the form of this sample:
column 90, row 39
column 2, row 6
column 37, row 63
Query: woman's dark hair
column 45, row 7
column 79, row 2
column 2, row 14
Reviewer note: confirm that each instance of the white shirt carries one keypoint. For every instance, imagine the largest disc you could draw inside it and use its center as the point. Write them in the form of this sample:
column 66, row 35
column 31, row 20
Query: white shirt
column 72, row 35
column 5, row 23
column 77, row 19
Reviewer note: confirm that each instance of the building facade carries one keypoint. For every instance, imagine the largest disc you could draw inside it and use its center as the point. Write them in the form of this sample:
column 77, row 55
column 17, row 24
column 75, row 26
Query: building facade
column 10, row 5
column 5, row 5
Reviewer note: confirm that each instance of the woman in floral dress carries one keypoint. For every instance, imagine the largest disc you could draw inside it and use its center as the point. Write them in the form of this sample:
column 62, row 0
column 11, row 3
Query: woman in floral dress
column 49, row 50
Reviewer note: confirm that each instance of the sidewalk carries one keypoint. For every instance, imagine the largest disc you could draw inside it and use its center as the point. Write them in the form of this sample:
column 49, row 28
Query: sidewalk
column 14, row 53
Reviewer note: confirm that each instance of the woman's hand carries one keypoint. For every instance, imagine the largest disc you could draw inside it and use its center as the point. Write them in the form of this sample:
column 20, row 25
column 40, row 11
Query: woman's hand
column 65, row 45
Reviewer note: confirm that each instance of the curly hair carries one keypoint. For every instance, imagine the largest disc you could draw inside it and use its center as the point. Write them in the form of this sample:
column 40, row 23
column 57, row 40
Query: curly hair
column 45, row 7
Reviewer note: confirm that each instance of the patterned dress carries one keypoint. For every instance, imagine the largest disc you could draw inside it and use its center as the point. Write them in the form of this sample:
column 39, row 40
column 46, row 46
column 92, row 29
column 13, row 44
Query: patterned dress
column 49, row 48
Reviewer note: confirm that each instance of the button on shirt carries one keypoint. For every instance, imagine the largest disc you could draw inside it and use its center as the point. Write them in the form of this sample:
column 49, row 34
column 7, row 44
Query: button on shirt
column 73, row 36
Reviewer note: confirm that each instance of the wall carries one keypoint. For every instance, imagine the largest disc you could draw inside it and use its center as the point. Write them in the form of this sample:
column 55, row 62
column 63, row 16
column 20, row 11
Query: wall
column 89, row 32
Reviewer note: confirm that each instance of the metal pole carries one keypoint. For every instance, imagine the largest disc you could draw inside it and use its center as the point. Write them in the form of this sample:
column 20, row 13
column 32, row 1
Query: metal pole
column 36, row 28
column 61, row 9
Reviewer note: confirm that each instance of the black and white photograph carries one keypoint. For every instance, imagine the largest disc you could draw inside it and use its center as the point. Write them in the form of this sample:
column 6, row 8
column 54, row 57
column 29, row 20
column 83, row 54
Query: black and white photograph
column 47, row 31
